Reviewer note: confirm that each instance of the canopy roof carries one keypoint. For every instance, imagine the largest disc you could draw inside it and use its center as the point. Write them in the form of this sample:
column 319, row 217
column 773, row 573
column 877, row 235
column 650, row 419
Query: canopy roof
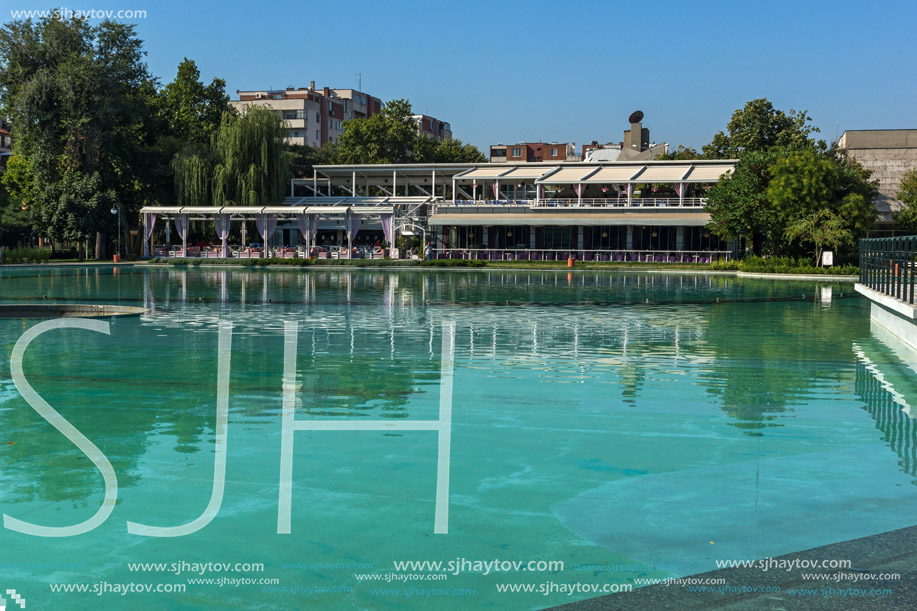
column 254, row 211
column 548, row 173
column 695, row 219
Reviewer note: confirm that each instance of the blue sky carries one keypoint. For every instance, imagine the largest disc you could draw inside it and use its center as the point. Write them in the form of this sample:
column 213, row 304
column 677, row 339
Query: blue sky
column 504, row 71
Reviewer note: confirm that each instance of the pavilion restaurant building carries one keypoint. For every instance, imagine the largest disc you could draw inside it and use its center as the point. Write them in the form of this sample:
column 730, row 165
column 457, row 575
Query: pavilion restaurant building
column 622, row 211
column 647, row 211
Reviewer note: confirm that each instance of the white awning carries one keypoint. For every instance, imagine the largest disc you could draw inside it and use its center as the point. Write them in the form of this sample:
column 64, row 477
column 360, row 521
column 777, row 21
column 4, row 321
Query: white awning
column 709, row 173
column 568, row 175
column 484, row 173
column 527, row 172
column 667, row 173
column 688, row 219
column 611, row 175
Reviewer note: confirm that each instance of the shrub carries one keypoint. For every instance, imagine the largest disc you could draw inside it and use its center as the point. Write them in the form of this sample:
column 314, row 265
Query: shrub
column 26, row 255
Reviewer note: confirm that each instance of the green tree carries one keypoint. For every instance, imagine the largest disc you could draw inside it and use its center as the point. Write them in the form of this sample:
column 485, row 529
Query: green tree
column 78, row 96
column 682, row 153
column 392, row 137
column 804, row 182
column 738, row 203
column 303, row 158
column 193, row 110
column 823, row 228
column 906, row 218
column 759, row 126
column 246, row 163
column 386, row 137
column 453, row 150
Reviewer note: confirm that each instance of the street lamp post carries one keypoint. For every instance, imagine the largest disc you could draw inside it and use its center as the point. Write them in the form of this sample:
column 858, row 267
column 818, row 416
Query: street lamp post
column 116, row 209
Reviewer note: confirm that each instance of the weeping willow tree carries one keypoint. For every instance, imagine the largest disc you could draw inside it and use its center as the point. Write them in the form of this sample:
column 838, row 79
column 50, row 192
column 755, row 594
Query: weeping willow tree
column 253, row 162
column 192, row 169
column 246, row 163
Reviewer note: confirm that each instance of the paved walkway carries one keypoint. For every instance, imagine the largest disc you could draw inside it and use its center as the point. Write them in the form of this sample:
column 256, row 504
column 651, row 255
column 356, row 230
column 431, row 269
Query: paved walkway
column 894, row 551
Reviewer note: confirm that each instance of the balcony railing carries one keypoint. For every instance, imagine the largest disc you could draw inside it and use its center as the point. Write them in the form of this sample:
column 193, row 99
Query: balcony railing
column 639, row 202
column 553, row 254
column 888, row 265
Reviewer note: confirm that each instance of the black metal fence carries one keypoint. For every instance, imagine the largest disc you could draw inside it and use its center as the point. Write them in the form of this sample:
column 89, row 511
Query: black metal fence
column 888, row 265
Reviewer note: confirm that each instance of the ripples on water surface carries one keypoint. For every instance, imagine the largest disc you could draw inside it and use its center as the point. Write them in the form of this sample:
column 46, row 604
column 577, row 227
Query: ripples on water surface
column 655, row 421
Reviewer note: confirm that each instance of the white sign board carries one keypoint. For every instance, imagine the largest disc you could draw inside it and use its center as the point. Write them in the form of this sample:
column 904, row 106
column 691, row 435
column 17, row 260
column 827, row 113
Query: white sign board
column 827, row 258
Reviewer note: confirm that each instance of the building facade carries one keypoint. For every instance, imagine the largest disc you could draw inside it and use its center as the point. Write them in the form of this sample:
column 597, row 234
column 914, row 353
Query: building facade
column 433, row 128
column 533, row 152
column 888, row 154
column 312, row 117
column 316, row 117
column 538, row 211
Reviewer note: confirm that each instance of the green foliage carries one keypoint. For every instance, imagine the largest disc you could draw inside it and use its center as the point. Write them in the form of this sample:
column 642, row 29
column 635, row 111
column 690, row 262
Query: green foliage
column 773, row 189
column 88, row 115
column 781, row 265
column 822, row 229
column 759, row 126
column 192, row 168
column 392, row 137
column 26, row 255
column 906, row 218
column 805, row 182
column 78, row 97
column 246, row 163
column 193, row 110
column 451, row 150
column 252, row 161
column 74, row 207
column 738, row 203
column 303, row 158
column 681, row 153
column 386, row 137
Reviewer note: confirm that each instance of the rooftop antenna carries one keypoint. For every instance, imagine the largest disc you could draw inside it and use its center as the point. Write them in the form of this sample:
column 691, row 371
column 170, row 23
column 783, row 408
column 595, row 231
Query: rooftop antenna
column 359, row 76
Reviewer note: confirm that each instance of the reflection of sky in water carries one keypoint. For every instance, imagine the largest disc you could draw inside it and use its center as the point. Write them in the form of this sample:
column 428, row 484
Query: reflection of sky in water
column 621, row 417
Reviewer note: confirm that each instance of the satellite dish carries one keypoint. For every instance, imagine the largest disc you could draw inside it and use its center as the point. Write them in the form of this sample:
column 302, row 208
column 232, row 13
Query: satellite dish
column 636, row 116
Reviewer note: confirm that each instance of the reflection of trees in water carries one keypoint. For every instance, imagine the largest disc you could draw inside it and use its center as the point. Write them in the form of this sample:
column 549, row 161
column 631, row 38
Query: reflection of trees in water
column 796, row 346
column 42, row 465
column 898, row 430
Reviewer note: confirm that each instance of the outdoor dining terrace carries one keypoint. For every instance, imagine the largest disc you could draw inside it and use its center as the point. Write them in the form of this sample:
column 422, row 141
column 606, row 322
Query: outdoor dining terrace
column 592, row 202
column 280, row 252
column 609, row 256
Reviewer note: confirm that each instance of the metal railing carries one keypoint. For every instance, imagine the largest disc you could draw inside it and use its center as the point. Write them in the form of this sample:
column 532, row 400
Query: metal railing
column 586, row 202
column 590, row 254
column 887, row 265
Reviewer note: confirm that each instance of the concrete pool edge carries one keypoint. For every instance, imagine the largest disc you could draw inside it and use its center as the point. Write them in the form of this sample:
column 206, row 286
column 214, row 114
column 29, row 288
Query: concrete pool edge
column 418, row 268
column 893, row 551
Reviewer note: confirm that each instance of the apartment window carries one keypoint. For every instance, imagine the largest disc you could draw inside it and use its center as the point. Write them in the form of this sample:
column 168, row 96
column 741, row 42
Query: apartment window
column 318, row 134
column 296, row 134
column 318, row 117
column 330, row 106
column 517, row 151
column 553, row 152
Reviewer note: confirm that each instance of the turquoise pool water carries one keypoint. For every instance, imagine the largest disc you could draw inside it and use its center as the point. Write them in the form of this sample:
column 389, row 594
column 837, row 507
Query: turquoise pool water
column 629, row 426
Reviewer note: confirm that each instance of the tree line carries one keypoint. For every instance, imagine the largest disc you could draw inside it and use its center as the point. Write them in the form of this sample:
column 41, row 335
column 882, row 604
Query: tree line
column 95, row 131
column 789, row 194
